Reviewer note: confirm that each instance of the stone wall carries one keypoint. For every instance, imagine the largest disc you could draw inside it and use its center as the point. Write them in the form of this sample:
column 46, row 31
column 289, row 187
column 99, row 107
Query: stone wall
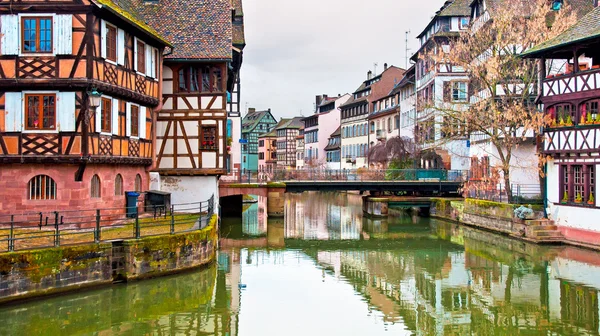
column 32, row 273
column 39, row 272
column 155, row 256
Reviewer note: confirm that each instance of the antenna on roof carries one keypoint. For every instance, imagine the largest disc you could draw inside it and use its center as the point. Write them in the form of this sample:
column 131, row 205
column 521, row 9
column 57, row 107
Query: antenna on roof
column 407, row 49
column 375, row 69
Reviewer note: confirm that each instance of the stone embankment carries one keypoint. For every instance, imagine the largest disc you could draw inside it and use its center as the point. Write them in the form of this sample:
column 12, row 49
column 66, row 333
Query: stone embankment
column 34, row 273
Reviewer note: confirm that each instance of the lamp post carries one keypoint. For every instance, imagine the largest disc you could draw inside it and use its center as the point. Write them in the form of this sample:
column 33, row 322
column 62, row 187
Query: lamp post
column 93, row 101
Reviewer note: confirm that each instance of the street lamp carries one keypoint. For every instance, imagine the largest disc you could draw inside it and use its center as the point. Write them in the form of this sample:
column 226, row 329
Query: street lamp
column 93, row 103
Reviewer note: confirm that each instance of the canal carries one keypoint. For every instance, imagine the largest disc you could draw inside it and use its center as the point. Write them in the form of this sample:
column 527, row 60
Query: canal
column 324, row 269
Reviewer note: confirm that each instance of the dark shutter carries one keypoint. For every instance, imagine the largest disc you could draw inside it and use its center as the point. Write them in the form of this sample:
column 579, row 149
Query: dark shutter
column 447, row 91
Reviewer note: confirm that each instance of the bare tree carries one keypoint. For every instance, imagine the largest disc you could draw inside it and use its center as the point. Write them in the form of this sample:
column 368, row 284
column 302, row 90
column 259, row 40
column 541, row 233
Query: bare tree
column 503, row 86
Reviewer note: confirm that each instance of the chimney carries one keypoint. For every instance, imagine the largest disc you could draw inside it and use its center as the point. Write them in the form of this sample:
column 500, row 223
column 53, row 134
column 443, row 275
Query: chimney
column 384, row 66
column 251, row 110
column 325, row 97
column 269, row 110
column 318, row 100
column 596, row 3
column 369, row 74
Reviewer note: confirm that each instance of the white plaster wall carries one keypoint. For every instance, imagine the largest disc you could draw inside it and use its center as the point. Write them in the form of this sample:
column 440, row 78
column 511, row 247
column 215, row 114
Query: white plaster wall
column 190, row 189
column 236, row 147
column 523, row 165
column 575, row 271
column 360, row 162
column 569, row 216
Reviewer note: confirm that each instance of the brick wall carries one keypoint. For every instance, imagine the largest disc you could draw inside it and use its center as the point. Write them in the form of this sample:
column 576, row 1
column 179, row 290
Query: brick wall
column 71, row 195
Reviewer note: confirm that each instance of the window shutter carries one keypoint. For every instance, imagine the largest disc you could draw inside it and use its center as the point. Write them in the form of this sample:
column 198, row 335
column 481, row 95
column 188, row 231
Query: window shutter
column 13, row 109
column 62, row 32
column 152, row 63
column 447, row 91
column 148, row 70
column 135, row 54
column 142, row 120
column 115, row 117
column 98, row 118
column 66, row 111
column 10, row 27
column 103, row 38
column 120, row 46
column 128, row 119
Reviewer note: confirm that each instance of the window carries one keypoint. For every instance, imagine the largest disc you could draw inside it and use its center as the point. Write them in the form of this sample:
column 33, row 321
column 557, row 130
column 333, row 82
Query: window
column 138, row 183
column 209, row 138
column 36, row 34
column 41, row 111
column 141, row 56
column 111, row 43
column 95, row 189
column 204, row 79
column 261, row 156
column 578, row 183
column 135, row 120
column 563, row 112
column 106, row 115
column 459, row 91
column 396, row 122
column 42, row 187
column 261, row 143
column 118, row 185
column 464, row 23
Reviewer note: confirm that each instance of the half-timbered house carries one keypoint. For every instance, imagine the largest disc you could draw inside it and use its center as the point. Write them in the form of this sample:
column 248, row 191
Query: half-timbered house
column 59, row 148
column 571, row 97
column 198, row 76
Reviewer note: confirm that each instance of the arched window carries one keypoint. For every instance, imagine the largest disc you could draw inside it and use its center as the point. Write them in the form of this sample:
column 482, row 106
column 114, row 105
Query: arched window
column 95, row 188
column 138, row 183
column 118, row 185
column 42, row 187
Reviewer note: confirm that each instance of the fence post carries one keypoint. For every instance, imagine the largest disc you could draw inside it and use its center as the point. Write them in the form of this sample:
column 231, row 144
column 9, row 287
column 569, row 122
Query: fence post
column 11, row 237
column 137, row 225
column 97, row 231
column 172, row 221
column 56, row 230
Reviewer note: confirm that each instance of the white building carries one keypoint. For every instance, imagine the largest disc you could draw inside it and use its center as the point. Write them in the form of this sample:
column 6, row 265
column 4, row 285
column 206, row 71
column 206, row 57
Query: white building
column 437, row 86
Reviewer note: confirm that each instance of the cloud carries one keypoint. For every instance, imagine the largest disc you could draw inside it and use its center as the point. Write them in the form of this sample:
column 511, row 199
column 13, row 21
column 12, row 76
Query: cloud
column 298, row 49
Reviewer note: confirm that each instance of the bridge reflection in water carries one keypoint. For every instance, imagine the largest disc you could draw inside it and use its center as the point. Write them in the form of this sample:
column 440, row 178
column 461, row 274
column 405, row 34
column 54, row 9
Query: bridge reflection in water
column 326, row 270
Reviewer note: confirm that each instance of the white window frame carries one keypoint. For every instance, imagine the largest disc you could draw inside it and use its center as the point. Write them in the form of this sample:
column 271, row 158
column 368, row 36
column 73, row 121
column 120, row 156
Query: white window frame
column 23, row 121
column 135, row 56
column 20, row 32
column 105, row 44
column 460, row 100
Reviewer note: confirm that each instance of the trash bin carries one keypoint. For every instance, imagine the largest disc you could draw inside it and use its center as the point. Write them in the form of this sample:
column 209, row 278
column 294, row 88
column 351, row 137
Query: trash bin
column 157, row 200
column 131, row 204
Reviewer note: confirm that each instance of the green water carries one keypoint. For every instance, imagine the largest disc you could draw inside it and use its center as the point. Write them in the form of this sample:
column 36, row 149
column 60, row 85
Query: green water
column 326, row 270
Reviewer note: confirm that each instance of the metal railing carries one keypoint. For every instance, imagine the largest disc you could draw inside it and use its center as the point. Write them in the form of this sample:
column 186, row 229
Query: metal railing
column 59, row 228
column 424, row 175
column 521, row 193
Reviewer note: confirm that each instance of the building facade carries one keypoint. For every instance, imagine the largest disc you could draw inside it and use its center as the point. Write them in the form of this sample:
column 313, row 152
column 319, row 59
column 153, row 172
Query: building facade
column 267, row 154
column 191, row 124
column 254, row 124
column 59, row 148
column 333, row 150
column 440, row 84
column 300, row 149
column 287, row 131
column 319, row 126
column 571, row 98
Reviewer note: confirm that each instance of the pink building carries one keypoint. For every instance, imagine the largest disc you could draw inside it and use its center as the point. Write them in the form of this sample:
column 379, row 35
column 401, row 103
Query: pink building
column 319, row 126
column 267, row 154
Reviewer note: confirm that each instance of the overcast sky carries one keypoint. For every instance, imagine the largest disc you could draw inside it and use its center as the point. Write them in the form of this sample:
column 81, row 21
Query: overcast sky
column 298, row 49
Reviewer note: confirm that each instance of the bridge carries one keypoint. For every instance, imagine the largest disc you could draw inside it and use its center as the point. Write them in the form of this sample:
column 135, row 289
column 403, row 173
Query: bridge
column 409, row 182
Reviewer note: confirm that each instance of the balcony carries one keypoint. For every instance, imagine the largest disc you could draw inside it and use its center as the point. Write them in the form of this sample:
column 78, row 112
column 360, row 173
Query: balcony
column 380, row 135
column 585, row 80
column 480, row 22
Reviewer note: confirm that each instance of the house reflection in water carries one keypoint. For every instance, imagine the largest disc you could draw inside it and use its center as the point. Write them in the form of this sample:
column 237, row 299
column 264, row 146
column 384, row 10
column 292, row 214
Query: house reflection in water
column 331, row 216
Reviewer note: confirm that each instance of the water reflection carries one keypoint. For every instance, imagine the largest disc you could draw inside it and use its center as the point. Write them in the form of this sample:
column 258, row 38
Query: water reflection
column 326, row 270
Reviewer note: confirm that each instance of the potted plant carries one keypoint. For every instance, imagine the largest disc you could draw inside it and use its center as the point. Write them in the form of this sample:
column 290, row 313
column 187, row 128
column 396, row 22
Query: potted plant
column 591, row 200
column 578, row 198
column 590, row 120
column 565, row 198
column 561, row 121
column 569, row 121
column 582, row 119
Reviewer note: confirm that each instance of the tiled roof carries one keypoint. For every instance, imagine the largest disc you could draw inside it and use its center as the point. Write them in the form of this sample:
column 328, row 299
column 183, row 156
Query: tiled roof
column 238, row 27
column 588, row 27
column 125, row 10
column 384, row 112
column 199, row 29
column 295, row 122
column 252, row 119
column 456, row 8
column 409, row 78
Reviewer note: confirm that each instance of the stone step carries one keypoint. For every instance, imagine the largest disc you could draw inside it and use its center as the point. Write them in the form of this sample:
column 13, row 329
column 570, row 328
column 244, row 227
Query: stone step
column 542, row 227
column 540, row 222
column 545, row 234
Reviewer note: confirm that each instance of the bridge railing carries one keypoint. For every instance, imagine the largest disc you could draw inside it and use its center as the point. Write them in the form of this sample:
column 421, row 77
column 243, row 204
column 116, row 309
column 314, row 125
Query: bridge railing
column 425, row 175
